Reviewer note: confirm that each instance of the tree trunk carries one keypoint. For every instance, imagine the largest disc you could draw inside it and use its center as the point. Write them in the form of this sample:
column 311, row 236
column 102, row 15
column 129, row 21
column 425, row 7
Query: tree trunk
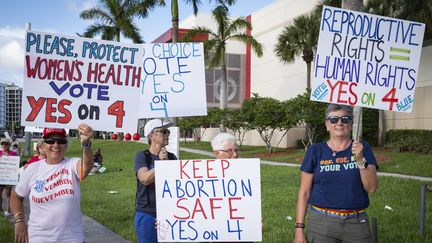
column 174, row 35
column 356, row 5
column 381, row 128
column 308, row 77
column 223, row 102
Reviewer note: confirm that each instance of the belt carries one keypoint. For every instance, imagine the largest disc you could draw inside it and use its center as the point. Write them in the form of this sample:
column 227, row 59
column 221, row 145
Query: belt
column 339, row 213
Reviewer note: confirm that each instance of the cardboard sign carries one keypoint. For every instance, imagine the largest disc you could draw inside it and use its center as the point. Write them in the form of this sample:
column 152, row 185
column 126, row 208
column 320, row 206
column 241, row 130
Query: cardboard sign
column 208, row 200
column 173, row 80
column 71, row 80
column 367, row 60
column 9, row 166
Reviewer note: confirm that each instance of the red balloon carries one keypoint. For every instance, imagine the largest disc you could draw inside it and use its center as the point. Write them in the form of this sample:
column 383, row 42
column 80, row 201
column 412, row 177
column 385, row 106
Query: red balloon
column 114, row 136
column 136, row 137
column 127, row 136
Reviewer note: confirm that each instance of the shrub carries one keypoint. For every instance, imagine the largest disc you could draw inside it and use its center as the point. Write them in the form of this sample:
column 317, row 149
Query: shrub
column 410, row 140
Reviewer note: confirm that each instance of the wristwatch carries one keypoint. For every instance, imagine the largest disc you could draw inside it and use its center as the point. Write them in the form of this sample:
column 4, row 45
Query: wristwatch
column 362, row 164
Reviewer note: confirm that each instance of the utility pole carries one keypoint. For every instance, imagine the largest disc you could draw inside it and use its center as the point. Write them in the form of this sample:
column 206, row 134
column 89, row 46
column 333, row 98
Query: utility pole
column 27, row 134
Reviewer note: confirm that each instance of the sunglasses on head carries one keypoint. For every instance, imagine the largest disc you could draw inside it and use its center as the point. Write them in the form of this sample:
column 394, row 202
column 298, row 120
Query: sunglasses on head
column 164, row 131
column 54, row 140
column 5, row 143
column 335, row 119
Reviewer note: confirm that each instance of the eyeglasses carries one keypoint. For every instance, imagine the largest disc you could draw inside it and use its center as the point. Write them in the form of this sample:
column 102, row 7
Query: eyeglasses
column 335, row 119
column 4, row 143
column 231, row 151
column 163, row 131
column 54, row 140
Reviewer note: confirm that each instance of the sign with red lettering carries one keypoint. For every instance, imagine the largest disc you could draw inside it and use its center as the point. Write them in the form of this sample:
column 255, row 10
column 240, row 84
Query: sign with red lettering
column 208, row 200
column 366, row 60
column 71, row 80
column 9, row 166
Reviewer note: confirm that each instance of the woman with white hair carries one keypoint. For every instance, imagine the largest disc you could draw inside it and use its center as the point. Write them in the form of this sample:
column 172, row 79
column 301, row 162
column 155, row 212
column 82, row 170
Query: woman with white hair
column 225, row 146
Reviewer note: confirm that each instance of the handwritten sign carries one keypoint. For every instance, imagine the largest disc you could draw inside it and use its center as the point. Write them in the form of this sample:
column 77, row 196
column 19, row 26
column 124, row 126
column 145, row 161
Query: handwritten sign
column 208, row 200
column 173, row 80
column 367, row 60
column 9, row 166
column 70, row 80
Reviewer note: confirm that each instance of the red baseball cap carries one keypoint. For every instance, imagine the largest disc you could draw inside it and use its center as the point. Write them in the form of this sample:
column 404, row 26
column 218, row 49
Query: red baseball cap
column 50, row 131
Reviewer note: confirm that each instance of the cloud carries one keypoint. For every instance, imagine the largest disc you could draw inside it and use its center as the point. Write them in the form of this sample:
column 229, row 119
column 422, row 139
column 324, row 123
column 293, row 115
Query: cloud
column 78, row 7
column 12, row 54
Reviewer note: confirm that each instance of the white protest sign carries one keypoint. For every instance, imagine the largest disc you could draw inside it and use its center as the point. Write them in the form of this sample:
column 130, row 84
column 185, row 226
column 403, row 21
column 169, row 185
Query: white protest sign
column 9, row 166
column 72, row 80
column 208, row 200
column 366, row 60
column 173, row 141
column 173, row 80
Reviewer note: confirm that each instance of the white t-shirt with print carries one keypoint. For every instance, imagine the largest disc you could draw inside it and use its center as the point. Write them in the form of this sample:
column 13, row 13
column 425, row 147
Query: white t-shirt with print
column 54, row 195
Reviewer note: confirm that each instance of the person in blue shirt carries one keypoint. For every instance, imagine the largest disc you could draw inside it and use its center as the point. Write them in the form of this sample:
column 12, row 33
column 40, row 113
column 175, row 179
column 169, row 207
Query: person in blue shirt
column 336, row 177
column 157, row 134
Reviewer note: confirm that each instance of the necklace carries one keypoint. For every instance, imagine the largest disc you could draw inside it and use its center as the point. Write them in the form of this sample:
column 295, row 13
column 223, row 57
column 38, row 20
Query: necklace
column 331, row 146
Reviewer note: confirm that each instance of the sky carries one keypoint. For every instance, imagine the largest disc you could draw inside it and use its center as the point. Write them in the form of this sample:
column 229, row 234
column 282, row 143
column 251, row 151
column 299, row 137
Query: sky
column 62, row 16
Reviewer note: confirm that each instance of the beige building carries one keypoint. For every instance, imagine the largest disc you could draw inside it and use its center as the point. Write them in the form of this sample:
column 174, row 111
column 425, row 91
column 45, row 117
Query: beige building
column 269, row 77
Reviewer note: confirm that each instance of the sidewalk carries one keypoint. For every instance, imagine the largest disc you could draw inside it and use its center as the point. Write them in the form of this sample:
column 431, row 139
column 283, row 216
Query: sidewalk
column 420, row 178
column 94, row 232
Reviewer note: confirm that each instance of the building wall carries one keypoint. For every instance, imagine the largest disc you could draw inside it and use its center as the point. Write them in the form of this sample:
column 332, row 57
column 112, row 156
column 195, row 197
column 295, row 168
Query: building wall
column 270, row 77
column 2, row 105
column 13, row 103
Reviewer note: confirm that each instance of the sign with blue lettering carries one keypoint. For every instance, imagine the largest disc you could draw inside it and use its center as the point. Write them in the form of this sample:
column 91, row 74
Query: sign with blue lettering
column 73, row 80
column 208, row 200
column 173, row 80
column 366, row 60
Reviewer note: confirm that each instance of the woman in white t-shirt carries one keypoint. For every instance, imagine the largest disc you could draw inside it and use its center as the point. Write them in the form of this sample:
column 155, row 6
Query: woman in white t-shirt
column 53, row 188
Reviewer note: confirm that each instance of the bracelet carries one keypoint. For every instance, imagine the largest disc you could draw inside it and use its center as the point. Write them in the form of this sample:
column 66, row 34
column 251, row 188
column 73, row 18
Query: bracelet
column 19, row 221
column 17, row 214
column 299, row 225
column 86, row 145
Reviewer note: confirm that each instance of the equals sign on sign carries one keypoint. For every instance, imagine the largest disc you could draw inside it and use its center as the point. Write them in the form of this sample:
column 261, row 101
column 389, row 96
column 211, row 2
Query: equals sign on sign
column 398, row 54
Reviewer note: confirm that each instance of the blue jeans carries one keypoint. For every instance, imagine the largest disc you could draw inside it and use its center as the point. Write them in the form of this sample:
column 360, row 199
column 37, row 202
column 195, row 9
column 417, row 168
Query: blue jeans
column 145, row 227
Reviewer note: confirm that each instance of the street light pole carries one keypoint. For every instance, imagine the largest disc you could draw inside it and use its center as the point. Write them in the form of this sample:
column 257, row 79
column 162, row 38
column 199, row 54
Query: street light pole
column 27, row 134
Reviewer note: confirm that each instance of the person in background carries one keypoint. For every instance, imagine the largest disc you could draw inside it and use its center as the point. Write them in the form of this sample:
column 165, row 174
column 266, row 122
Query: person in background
column 39, row 154
column 6, row 151
column 97, row 160
column 53, row 188
column 336, row 177
column 157, row 134
column 16, row 148
column 225, row 146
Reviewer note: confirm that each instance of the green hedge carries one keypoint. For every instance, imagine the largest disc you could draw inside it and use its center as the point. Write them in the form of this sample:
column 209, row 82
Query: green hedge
column 411, row 140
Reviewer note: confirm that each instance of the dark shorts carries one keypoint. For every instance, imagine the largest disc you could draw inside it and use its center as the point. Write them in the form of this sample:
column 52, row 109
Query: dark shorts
column 326, row 229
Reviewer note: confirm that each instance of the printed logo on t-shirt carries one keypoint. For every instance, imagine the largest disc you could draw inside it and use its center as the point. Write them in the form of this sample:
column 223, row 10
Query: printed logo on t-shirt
column 338, row 164
column 57, row 185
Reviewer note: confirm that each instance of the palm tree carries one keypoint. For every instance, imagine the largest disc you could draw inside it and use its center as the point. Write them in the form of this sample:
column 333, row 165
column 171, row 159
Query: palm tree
column 215, row 46
column 300, row 37
column 148, row 4
column 114, row 17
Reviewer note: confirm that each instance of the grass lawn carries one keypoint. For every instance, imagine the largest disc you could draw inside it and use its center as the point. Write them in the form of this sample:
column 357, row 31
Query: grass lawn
column 401, row 163
column 279, row 193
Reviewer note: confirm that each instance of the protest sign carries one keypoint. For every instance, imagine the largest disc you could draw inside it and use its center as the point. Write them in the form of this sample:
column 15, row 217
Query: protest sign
column 173, row 141
column 366, row 60
column 9, row 166
column 173, row 80
column 208, row 200
column 72, row 80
